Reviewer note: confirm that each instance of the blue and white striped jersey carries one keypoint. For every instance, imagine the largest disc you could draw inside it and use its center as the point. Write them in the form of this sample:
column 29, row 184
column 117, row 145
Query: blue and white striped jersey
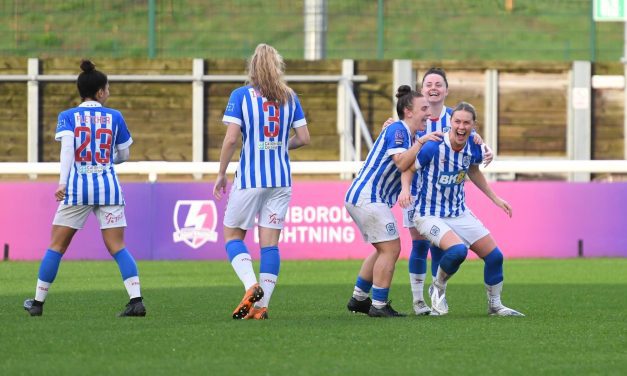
column 379, row 180
column 443, row 173
column 415, row 182
column 441, row 124
column 97, row 130
column 264, row 161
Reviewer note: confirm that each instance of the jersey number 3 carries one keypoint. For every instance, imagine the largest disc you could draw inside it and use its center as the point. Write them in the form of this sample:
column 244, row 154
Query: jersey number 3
column 273, row 126
column 103, row 144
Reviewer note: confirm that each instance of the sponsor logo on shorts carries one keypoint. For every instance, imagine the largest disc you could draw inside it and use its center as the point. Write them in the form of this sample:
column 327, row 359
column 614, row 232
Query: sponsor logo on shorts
column 200, row 218
column 274, row 219
column 111, row 218
column 390, row 228
column 435, row 231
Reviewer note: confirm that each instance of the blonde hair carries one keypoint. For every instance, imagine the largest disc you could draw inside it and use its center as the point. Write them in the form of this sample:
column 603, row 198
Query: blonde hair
column 265, row 73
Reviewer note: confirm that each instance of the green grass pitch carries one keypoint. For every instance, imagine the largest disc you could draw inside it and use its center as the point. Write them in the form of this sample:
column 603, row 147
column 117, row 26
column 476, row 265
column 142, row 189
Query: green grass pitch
column 576, row 322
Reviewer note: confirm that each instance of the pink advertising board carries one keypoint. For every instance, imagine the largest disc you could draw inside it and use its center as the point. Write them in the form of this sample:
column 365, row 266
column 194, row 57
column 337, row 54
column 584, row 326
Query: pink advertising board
column 184, row 221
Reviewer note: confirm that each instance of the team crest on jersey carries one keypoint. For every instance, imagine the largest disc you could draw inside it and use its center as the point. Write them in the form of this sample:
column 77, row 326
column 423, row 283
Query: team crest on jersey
column 446, row 129
column 466, row 161
column 200, row 219
column 399, row 137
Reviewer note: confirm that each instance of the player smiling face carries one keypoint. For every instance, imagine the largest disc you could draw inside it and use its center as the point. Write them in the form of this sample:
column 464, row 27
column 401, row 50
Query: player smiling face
column 462, row 123
column 417, row 117
column 434, row 88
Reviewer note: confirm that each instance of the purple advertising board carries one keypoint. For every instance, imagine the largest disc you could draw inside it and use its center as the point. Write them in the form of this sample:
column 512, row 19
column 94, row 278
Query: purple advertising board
column 168, row 221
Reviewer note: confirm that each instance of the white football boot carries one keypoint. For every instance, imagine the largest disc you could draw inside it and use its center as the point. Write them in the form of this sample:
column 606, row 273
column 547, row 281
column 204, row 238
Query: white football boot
column 421, row 308
column 495, row 307
column 503, row 311
column 439, row 306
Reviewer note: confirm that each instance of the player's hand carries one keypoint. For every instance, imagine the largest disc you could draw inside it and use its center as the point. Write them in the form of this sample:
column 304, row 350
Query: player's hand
column 387, row 123
column 504, row 205
column 220, row 187
column 433, row 136
column 488, row 155
column 478, row 140
column 404, row 199
column 59, row 193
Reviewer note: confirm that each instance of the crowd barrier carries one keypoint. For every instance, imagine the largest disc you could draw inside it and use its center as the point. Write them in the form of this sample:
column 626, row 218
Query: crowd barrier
column 171, row 221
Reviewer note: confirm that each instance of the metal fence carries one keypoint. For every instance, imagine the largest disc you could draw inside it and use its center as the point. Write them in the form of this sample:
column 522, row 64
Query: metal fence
column 556, row 30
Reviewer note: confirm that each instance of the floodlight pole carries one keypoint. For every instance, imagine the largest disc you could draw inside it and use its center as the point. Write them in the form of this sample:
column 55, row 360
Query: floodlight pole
column 315, row 29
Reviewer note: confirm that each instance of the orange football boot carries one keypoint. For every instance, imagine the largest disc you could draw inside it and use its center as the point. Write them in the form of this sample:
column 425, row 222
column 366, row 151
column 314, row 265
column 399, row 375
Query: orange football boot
column 252, row 295
column 257, row 314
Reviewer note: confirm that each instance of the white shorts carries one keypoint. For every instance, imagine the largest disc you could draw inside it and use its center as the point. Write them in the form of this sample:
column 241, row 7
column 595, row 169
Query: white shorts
column 375, row 221
column 75, row 216
column 268, row 204
column 408, row 216
column 466, row 226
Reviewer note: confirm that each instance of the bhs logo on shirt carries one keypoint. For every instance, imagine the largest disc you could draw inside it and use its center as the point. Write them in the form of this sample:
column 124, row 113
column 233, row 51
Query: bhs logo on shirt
column 449, row 179
column 199, row 226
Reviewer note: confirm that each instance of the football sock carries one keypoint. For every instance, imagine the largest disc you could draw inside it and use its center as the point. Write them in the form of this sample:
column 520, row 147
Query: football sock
column 453, row 258
column 418, row 256
column 362, row 289
column 493, row 276
column 47, row 273
column 436, row 257
column 268, row 273
column 379, row 296
column 267, row 281
column 494, row 294
column 128, row 269
column 241, row 262
column 493, row 267
column 441, row 278
column 417, row 283
column 418, row 268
